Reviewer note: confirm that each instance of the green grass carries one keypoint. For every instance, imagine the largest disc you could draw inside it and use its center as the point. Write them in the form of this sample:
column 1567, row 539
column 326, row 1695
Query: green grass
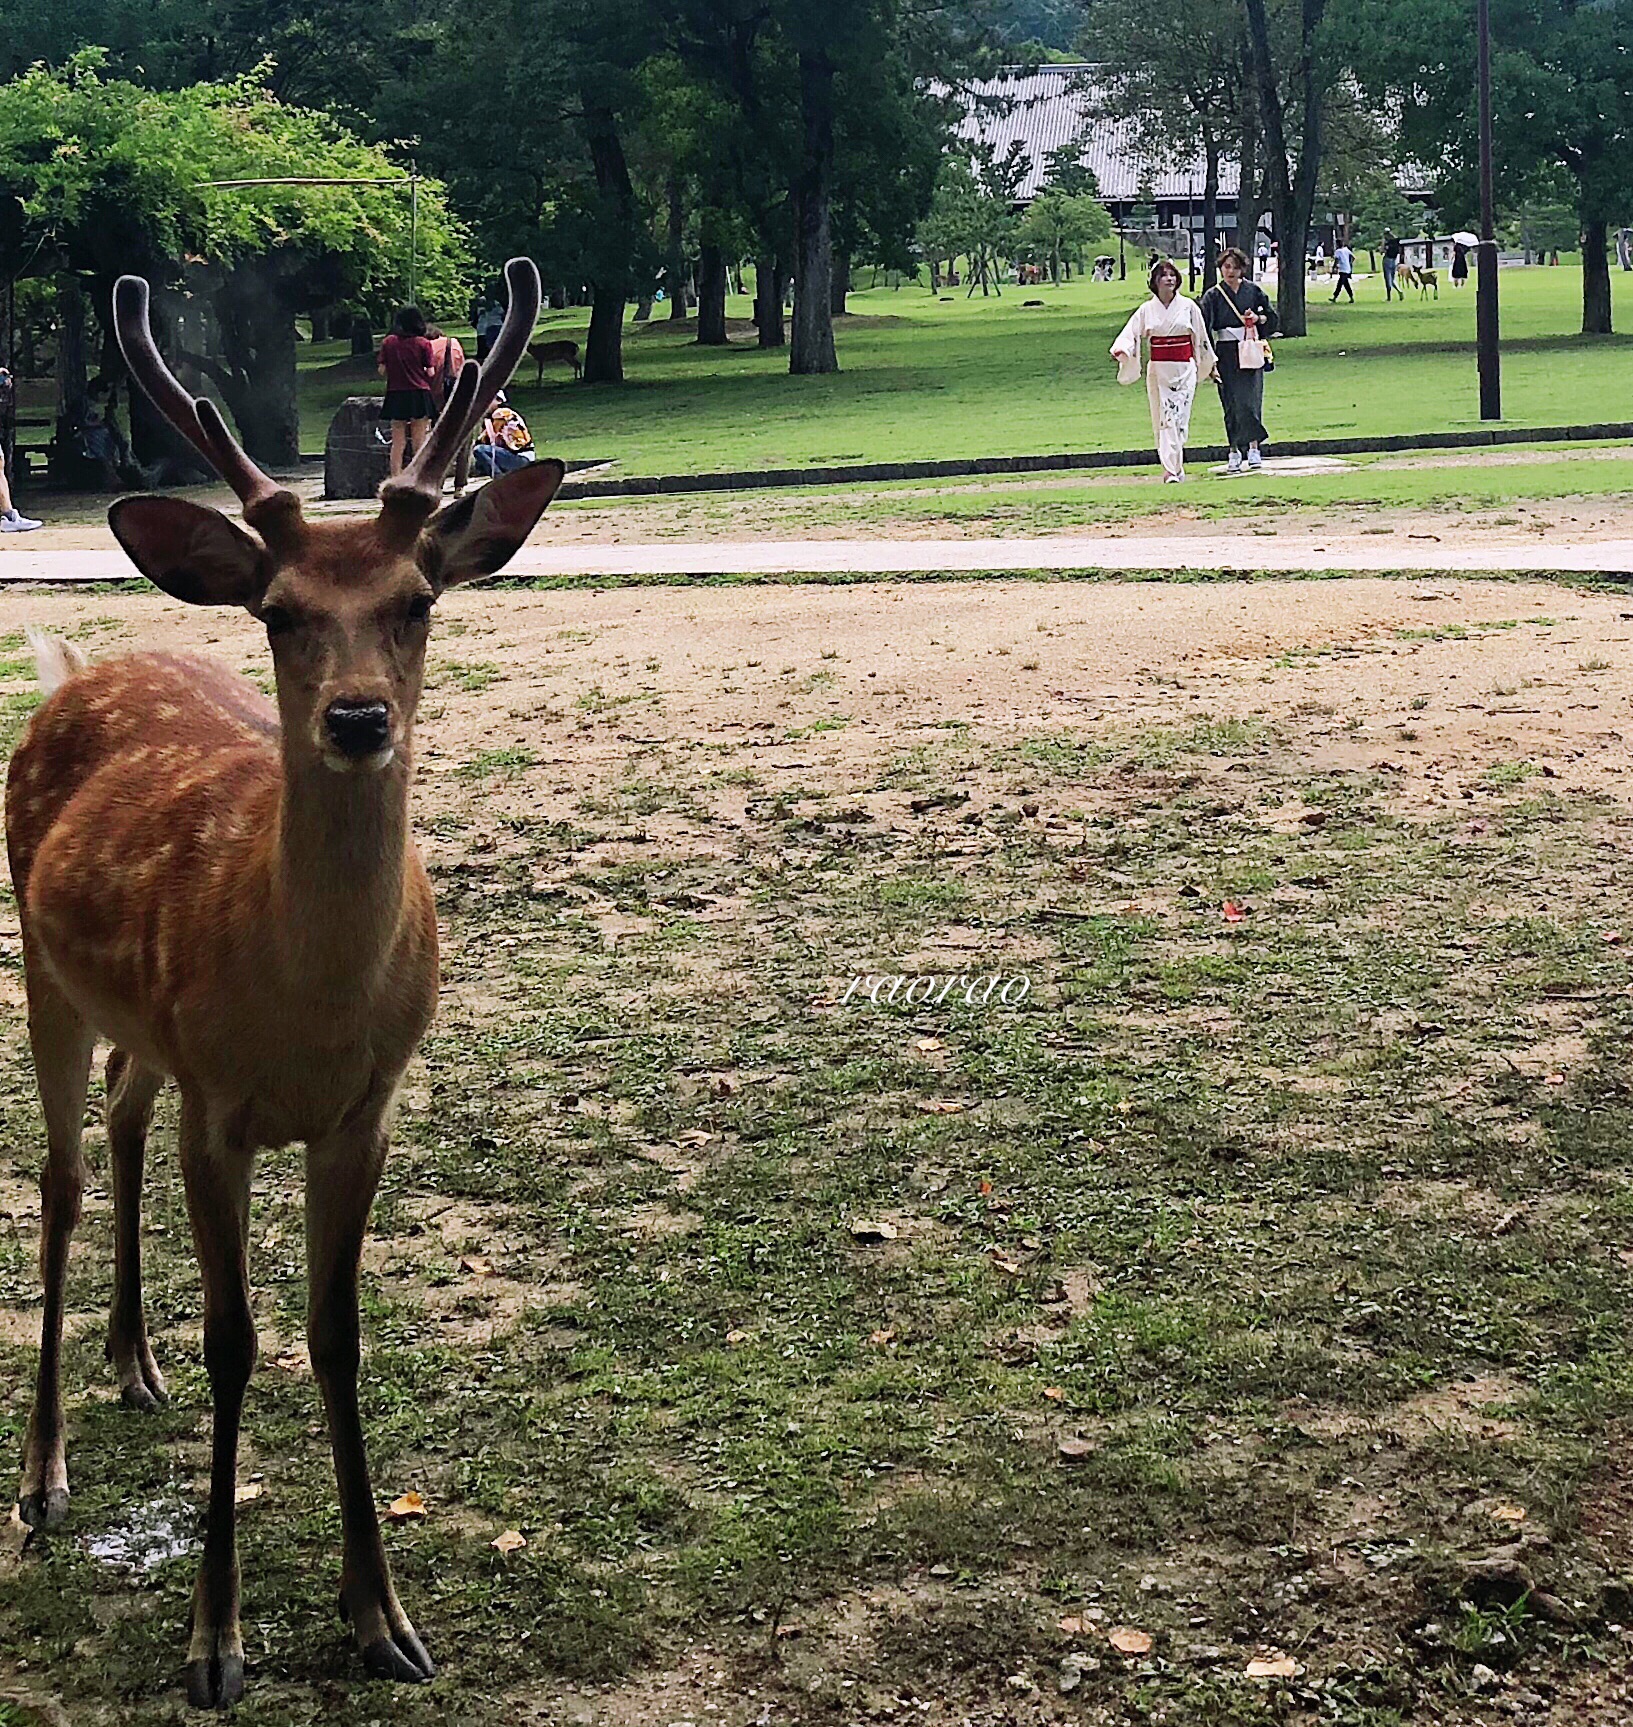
column 928, row 378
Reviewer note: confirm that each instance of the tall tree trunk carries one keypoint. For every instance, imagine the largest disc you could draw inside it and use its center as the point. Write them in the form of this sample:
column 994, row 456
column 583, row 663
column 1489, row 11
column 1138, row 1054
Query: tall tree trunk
column 1250, row 202
column 768, row 281
column 1595, row 280
column 258, row 345
column 675, row 264
column 839, row 284
column 1292, row 188
column 711, row 297
column 362, row 338
column 935, row 275
column 1210, row 207
column 604, row 346
column 812, row 349
column 71, row 381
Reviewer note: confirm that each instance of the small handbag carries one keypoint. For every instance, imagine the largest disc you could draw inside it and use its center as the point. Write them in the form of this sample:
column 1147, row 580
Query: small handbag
column 1252, row 354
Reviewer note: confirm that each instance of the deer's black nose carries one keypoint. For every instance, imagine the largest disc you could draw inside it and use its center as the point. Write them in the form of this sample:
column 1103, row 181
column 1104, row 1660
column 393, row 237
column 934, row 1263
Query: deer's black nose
column 358, row 729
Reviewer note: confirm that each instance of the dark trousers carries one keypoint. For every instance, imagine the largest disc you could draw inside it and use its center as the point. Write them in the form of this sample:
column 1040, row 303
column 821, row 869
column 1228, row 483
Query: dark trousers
column 1241, row 395
column 1343, row 288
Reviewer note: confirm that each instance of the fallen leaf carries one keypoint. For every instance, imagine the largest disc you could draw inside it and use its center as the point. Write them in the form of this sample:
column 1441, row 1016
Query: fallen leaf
column 929, row 1045
column 1505, row 1512
column 477, row 1264
column 734, row 1338
column 1554, row 1079
column 1073, row 1626
column 509, row 1542
column 882, row 1339
column 1054, row 1394
column 873, row 1231
column 1232, row 912
column 247, row 1491
column 292, row 1361
column 986, row 1186
column 940, row 1106
column 1507, row 1221
column 695, row 1136
column 790, row 1630
column 1076, row 1450
column 723, row 1087
column 1314, row 818
column 406, row 1508
column 1126, row 1640
column 1009, row 1267
column 1276, row 1666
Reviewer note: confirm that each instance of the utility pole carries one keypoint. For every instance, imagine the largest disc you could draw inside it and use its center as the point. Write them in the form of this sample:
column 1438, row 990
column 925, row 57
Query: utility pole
column 1485, row 303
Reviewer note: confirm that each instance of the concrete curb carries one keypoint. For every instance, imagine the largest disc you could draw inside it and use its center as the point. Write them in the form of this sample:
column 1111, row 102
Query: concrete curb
column 852, row 473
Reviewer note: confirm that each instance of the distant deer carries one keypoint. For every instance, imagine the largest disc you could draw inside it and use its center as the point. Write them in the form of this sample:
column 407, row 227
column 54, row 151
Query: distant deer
column 564, row 351
column 230, row 893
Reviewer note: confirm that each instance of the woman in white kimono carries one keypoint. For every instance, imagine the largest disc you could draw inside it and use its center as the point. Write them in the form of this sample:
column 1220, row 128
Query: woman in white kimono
column 1181, row 356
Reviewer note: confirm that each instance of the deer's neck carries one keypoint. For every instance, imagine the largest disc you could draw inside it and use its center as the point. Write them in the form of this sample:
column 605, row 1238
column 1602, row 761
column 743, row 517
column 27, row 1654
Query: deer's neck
column 341, row 854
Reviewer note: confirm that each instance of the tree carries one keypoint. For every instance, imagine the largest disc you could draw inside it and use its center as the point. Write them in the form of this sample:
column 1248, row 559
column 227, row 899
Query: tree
column 1562, row 97
column 1179, row 87
column 1058, row 228
column 1292, row 67
column 125, row 185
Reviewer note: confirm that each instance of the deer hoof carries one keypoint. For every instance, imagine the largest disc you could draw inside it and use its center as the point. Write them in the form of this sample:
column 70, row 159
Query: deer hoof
column 44, row 1509
column 402, row 1658
column 215, row 1683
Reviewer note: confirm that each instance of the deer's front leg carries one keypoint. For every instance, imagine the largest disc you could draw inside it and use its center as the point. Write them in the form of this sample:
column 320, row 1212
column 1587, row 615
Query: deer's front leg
column 341, row 1175
column 216, row 1169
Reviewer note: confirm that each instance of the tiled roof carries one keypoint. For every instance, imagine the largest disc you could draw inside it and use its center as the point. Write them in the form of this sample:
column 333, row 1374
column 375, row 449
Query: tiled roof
column 1055, row 106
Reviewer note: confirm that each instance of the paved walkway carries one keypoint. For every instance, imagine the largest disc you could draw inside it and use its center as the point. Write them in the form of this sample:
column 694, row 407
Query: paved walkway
column 1203, row 553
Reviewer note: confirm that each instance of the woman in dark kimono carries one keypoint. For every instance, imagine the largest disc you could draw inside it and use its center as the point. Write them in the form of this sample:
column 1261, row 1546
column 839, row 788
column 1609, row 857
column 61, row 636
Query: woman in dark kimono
column 1232, row 309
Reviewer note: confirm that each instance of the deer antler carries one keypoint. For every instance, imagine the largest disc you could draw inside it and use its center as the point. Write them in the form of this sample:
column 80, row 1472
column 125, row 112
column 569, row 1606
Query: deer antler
column 420, row 483
column 197, row 418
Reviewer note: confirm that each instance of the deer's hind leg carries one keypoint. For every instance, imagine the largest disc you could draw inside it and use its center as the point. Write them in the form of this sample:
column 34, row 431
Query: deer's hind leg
column 132, row 1089
column 61, row 1043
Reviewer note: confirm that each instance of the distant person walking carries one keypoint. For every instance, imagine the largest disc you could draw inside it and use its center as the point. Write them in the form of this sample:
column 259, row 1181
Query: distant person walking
column 1392, row 264
column 1343, row 267
column 1239, row 317
column 1460, row 264
column 490, row 319
column 406, row 364
column 1171, row 327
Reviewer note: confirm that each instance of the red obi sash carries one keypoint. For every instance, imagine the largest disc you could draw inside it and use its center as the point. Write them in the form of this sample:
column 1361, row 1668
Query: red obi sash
column 1170, row 347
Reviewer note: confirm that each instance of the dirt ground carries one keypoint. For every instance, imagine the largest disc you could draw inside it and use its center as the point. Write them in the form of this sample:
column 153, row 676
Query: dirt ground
column 1296, row 1200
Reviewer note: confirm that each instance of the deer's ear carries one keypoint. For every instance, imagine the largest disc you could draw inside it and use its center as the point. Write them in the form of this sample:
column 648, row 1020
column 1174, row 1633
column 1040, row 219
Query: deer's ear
column 193, row 553
column 482, row 533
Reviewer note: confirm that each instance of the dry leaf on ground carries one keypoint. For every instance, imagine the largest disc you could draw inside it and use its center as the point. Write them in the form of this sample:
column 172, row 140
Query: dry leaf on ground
column 405, row 1508
column 881, row 1339
column 695, row 1136
column 1076, row 1450
column 509, row 1541
column 940, row 1106
column 734, row 1338
column 247, row 1491
column 1054, row 1394
column 929, row 1045
column 1128, row 1640
column 1273, row 1666
column 477, row 1264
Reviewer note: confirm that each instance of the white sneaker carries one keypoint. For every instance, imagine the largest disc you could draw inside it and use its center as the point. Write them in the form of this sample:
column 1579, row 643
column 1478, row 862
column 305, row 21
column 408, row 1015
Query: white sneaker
column 1254, row 459
column 1172, row 479
column 12, row 523
column 1234, row 465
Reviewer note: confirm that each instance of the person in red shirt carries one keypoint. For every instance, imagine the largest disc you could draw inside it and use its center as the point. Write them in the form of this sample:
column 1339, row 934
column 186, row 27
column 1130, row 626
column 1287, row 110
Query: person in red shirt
column 407, row 363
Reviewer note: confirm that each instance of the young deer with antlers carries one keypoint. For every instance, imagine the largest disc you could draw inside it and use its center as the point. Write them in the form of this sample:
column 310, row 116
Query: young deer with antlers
column 230, row 893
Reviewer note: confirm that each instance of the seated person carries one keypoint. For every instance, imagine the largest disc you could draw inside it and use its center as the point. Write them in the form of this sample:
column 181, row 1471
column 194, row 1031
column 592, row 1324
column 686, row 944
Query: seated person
column 504, row 442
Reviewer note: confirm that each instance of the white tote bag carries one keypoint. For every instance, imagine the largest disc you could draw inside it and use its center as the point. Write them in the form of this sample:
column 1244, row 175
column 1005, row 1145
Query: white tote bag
column 1250, row 350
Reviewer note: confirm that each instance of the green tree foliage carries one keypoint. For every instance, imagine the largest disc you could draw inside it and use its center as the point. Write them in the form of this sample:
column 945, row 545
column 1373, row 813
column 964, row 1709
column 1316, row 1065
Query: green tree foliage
column 1057, row 229
column 1562, row 95
column 115, row 177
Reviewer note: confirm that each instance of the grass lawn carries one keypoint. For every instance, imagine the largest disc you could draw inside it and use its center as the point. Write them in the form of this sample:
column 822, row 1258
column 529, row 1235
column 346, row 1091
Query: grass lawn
column 1256, row 1286
column 953, row 377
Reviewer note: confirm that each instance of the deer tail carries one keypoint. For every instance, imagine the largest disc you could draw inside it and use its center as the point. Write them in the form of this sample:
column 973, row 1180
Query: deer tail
column 57, row 660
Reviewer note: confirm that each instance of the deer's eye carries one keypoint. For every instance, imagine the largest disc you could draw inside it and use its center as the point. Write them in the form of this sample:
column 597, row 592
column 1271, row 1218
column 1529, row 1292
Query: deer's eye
column 278, row 622
column 419, row 608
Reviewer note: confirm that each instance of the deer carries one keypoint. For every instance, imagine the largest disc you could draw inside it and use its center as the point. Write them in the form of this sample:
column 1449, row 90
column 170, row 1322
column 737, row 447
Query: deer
column 564, row 351
column 227, row 890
